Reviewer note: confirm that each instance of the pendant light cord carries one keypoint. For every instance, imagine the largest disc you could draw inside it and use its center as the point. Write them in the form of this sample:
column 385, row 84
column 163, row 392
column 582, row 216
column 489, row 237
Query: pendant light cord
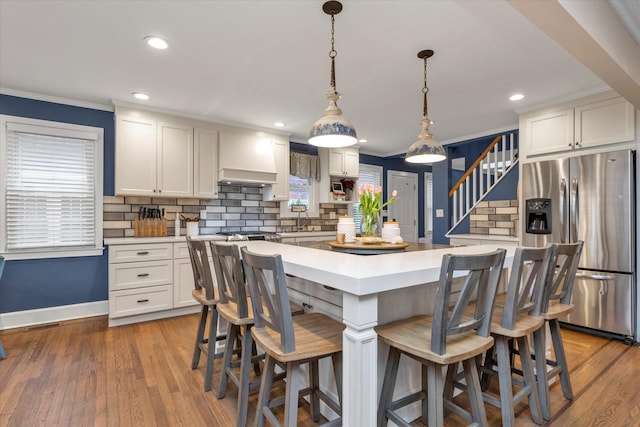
column 333, row 53
column 425, row 90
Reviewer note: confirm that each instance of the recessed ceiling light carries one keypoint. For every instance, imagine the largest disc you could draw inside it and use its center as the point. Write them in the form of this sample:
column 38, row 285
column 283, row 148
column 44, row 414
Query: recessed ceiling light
column 516, row 97
column 278, row 124
column 156, row 42
column 140, row 95
column 362, row 140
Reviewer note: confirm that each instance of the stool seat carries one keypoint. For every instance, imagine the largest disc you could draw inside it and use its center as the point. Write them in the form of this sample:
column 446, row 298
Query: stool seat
column 411, row 335
column 316, row 336
column 200, row 295
column 557, row 310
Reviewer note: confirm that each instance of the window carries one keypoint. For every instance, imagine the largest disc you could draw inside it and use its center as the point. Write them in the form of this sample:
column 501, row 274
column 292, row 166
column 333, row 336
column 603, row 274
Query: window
column 301, row 191
column 428, row 203
column 368, row 175
column 51, row 189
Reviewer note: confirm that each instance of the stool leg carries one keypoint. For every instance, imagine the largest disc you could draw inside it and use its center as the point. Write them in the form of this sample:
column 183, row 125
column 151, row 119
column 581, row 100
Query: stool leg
column 3, row 355
column 435, row 397
column 211, row 348
column 265, row 390
column 478, row 412
column 424, row 404
column 199, row 337
column 504, row 379
column 314, row 382
column 539, row 338
column 294, row 375
column 336, row 361
column 232, row 334
column 530, row 380
column 245, row 364
column 561, row 359
column 488, row 364
column 388, row 384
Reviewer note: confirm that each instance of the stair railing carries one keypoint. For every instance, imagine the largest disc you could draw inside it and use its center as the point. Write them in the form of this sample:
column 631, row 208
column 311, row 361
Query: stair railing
column 482, row 176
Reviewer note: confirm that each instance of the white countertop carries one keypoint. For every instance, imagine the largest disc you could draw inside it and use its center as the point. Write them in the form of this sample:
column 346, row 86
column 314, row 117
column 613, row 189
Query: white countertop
column 495, row 237
column 307, row 234
column 168, row 239
column 365, row 275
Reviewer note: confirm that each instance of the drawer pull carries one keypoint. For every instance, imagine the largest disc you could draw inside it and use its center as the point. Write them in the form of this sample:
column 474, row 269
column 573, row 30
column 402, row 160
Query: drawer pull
column 329, row 288
column 143, row 300
column 143, row 275
column 143, row 253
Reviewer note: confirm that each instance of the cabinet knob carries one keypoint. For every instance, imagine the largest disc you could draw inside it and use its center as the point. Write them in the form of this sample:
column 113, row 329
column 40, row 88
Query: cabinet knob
column 577, row 143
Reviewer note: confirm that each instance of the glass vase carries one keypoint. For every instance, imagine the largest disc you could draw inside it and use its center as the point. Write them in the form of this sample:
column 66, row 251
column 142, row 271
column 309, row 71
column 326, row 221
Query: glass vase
column 369, row 225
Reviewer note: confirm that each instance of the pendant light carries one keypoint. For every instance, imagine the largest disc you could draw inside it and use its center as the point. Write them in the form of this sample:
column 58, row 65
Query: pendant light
column 425, row 149
column 332, row 129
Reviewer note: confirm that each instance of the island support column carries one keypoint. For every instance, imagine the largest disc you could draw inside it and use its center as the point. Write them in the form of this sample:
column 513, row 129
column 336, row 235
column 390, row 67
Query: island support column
column 360, row 361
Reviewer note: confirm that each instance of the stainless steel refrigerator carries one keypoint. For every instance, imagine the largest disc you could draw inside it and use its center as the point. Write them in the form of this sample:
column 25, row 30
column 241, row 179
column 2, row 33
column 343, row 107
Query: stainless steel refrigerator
column 589, row 198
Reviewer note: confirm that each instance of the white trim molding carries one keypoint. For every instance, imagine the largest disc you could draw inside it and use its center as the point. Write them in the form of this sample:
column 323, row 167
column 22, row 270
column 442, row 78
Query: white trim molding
column 20, row 319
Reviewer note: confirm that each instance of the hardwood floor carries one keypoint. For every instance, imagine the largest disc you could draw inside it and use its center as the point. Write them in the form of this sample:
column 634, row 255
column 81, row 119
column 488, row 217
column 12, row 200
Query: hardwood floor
column 82, row 373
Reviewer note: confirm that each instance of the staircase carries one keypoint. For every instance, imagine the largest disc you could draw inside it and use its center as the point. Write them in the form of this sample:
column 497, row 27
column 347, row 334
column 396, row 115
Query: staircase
column 485, row 173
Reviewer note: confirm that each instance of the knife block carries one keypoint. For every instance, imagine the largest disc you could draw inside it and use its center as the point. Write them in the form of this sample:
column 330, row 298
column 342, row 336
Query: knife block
column 150, row 227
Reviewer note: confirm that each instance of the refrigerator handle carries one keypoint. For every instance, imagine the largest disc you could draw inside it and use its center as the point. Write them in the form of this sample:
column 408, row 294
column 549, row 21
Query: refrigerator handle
column 574, row 209
column 563, row 194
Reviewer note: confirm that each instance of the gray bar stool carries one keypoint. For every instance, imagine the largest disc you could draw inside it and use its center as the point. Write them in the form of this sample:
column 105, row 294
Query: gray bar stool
column 204, row 293
column 554, row 305
column 292, row 341
column 447, row 338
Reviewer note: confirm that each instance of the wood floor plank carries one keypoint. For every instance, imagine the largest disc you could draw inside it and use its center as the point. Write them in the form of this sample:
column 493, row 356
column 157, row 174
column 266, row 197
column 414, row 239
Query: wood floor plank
column 84, row 373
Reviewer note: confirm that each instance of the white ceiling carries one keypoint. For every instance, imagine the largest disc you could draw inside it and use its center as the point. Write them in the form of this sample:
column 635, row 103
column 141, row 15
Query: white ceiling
column 258, row 62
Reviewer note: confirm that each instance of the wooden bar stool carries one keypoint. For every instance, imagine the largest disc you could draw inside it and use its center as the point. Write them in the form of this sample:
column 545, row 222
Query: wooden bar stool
column 204, row 293
column 554, row 305
column 446, row 338
column 291, row 340
column 515, row 317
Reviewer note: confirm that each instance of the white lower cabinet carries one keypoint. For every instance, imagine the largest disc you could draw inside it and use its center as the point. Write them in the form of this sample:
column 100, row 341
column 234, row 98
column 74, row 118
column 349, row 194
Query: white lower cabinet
column 149, row 281
column 314, row 297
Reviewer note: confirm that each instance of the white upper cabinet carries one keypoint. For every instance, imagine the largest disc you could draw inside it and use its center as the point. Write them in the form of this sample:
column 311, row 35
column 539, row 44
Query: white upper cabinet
column 594, row 121
column 279, row 190
column 344, row 162
column 205, row 173
column 175, row 160
column 135, row 156
column 604, row 122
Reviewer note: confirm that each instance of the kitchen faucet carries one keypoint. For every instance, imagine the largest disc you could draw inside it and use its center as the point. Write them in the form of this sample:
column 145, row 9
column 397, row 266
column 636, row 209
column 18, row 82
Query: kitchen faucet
column 300, row 227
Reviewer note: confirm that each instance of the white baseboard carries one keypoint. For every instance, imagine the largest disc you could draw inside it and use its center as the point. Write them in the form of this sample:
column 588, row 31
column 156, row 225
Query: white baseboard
column 20, row 319
column 127, row 320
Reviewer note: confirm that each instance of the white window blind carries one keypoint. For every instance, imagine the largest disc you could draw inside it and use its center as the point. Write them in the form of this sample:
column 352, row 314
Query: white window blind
column 428, row 203
column 368, row 175
column 52, row 199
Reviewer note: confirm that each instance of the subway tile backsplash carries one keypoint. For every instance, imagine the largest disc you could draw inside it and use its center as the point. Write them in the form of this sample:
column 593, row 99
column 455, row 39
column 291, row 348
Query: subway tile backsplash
column 498, row 217
column 237, row 208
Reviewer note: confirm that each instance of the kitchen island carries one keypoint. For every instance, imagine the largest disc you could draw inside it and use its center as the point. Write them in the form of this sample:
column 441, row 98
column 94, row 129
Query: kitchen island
column 375, row 289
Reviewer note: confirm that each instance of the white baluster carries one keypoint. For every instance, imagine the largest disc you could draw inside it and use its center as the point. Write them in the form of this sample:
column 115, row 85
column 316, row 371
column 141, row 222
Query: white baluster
column 504, row 154
column 466, row 187
column 474, row 178
column 481, row 180
column 512, row 148
column 455, row 206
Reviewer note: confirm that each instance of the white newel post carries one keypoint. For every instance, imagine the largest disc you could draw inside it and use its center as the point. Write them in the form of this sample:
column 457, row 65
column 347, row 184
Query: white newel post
column 360, row 361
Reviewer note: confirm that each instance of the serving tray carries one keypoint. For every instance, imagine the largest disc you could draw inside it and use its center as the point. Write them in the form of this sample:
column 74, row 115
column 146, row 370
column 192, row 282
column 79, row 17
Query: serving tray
column 360, row 248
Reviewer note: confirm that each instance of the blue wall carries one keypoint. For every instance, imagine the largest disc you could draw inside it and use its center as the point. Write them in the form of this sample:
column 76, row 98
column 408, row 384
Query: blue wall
column 31, row 284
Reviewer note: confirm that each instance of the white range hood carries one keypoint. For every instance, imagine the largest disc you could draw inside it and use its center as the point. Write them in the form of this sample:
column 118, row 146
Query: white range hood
column 246, row 157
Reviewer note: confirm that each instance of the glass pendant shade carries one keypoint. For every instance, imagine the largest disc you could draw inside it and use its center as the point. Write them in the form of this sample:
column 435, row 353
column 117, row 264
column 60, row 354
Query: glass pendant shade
column 332, row 129
column 425, row 149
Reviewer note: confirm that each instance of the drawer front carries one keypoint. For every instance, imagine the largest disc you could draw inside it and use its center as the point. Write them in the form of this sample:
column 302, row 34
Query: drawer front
column 140, row 274
column 138, row 301
column 144, row 252
column 180, row 250
column 331, row 310
column 326, row 293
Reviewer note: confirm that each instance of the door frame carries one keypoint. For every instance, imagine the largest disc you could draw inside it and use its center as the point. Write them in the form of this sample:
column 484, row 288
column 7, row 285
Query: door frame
column 413, row 175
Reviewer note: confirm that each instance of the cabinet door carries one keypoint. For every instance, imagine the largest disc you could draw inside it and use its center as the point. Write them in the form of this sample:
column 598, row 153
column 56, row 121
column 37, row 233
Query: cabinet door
column 135, row 156
column 205, row 162
column 336, row 162
column 175, row 160
column 280, row 190
column 604, row 122
column 550, row 132
column 351, row 163
column 183, row 283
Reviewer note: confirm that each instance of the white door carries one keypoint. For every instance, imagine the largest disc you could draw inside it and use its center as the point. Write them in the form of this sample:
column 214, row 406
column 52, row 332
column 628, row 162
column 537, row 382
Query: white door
column 405, row 208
